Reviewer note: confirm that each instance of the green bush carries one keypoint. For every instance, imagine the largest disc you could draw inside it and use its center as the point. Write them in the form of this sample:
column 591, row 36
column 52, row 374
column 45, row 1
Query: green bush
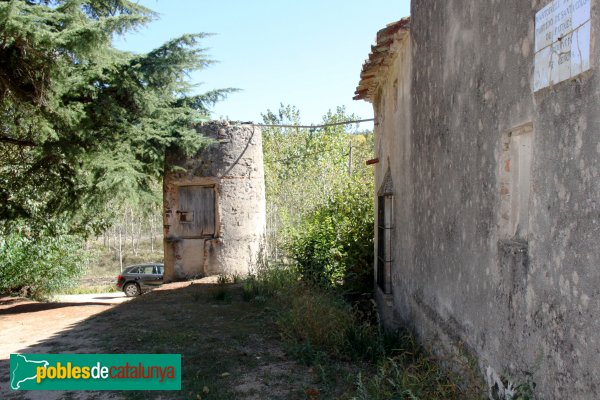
column 334, row 248
column 40, row 266
column 304, row 168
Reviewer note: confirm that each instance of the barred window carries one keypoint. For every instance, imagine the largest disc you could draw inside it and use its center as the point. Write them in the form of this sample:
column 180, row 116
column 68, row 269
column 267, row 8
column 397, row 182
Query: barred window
column 384, row 242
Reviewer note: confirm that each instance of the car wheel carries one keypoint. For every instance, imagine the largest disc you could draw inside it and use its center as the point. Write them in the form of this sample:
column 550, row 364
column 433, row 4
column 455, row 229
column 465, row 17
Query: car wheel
column 131, row 290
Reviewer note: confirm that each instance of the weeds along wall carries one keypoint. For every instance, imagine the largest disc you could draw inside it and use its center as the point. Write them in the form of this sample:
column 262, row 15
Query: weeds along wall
column 214, row 204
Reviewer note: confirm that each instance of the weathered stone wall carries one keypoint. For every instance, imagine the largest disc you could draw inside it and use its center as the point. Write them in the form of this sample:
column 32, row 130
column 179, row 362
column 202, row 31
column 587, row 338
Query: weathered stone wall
column 233, row 167
column 393, row 171
column 497, row 233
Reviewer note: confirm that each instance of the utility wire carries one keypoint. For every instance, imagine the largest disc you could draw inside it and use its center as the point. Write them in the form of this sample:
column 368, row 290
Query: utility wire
column 314, row 126
column 285, row 159
column 297, row 157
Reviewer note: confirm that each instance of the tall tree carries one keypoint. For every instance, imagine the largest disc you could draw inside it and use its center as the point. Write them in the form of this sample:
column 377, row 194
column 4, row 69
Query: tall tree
column 82, row 123
column 306, row 168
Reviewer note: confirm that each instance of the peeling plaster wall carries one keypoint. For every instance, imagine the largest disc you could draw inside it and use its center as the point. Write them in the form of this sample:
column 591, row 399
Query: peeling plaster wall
column 523, row 297
column 233, row 167
column 393, row 148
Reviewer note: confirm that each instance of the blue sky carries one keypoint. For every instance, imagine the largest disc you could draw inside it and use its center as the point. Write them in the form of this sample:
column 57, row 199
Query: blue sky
column 305, row 53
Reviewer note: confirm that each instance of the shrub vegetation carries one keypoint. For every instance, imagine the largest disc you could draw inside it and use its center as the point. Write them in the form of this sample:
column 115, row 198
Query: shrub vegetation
column 323, row 330
column 334, row 247
column 320, row 199
column 38, row 267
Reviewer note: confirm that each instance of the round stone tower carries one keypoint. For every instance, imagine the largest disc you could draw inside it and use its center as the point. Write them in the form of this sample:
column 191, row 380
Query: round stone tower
column 214, row 204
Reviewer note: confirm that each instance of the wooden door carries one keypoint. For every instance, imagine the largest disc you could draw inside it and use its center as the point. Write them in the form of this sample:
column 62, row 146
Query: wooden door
column 196, row 212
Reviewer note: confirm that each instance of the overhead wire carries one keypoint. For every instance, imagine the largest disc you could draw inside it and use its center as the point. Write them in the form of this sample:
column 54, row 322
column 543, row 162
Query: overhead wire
column 314, row 126
column 297, row 157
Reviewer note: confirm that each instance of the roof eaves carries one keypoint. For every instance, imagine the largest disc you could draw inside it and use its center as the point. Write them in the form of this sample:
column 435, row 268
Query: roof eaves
column 379, row 58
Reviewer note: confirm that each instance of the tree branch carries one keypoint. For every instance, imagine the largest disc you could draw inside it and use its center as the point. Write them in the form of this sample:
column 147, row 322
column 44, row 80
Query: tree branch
column 17, row 142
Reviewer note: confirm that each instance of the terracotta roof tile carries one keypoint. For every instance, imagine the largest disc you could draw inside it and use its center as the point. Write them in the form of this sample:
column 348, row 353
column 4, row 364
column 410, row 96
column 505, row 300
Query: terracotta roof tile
column 379, row 58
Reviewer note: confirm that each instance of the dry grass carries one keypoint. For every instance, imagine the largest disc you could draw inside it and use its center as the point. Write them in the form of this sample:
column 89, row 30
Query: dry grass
column 84, row 289
column 326, row 333
column 316, row 317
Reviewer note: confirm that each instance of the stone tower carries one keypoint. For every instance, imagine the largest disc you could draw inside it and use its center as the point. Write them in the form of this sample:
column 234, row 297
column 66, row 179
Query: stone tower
column 214, row 204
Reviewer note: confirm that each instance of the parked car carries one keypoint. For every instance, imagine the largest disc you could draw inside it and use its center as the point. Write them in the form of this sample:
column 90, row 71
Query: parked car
column 136, row 279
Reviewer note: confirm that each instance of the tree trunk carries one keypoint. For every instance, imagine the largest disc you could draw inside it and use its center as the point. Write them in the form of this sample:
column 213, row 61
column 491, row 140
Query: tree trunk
column 152, row 233
column 121, row 248
column 139, row 233
column 129, row 221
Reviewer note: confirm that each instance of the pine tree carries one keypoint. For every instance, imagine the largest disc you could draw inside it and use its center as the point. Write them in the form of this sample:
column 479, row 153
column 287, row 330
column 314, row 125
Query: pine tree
column 82, row 123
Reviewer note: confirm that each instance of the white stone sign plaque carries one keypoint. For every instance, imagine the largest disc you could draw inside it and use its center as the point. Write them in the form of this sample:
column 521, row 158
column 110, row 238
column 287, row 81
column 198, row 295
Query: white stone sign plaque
column 562, row 42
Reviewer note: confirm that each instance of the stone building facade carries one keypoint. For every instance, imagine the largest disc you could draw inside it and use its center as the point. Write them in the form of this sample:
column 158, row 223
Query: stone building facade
column 214, row 204
column 488, row 191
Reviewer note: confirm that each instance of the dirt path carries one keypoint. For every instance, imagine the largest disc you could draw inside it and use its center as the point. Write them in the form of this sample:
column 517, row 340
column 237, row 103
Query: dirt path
column 25, row 324
column 229, row 347
column 32, row 327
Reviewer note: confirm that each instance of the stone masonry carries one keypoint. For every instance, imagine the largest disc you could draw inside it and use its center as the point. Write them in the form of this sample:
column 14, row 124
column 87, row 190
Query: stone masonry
column 487, row 135
column 214, row 204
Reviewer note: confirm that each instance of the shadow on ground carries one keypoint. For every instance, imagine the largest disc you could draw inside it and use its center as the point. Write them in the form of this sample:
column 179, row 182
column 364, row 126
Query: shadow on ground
column 230, row 348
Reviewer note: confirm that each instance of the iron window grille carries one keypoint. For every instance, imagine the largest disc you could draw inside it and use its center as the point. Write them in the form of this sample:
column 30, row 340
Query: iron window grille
column 384, row 243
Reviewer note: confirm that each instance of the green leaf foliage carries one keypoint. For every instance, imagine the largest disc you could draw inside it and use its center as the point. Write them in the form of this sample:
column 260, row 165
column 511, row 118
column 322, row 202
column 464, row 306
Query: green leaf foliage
column 317, row 213
column 38, row 267
column 334, row 245
column 82, row 124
